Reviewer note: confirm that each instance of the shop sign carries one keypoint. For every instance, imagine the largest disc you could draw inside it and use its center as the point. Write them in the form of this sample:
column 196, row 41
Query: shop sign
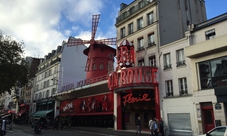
column 67, row 87
column 83, row 83
column 133, row 77
column 68, row 106
column 130, row 99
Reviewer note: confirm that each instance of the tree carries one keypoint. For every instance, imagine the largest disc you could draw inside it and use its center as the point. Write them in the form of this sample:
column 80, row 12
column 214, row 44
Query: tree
column 13, row 67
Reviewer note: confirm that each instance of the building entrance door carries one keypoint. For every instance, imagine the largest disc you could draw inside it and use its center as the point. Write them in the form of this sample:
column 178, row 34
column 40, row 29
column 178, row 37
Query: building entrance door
column 208, row 116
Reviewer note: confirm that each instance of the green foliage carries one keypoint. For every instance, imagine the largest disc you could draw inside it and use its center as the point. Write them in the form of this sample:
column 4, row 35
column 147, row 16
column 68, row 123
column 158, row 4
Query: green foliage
column 13, row 67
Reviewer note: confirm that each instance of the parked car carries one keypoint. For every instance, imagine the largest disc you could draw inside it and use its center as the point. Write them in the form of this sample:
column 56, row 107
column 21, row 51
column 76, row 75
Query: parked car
column 217, row 131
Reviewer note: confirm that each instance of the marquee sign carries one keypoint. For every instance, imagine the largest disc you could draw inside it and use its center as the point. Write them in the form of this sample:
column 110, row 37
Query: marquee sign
column 130, row 99
column 67, row 87
column 133, row 76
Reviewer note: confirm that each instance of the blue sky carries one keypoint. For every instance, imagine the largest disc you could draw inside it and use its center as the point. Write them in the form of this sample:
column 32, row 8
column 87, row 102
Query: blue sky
column 44, row 24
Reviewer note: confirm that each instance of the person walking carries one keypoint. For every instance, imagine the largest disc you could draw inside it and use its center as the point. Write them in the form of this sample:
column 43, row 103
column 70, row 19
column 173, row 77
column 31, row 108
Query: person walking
column 161, row 125
column 155, row 127
column 62, row 123
column 56, row 123
column 151, row 124
column 138, row 123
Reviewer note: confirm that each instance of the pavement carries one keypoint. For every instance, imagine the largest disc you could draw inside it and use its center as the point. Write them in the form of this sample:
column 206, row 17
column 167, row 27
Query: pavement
column 25, row 129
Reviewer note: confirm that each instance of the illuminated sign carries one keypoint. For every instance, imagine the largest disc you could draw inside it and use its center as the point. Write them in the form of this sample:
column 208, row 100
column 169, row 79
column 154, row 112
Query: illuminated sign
column 130, row 99
column 133, row 77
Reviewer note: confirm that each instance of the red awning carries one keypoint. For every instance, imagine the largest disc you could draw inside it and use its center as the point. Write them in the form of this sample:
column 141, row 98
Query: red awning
column 11, row 112
column 22, row 105
column 67, row 114
column 21, row 112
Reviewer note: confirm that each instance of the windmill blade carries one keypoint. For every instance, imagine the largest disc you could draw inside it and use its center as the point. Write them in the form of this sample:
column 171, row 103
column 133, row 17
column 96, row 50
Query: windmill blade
column 108, row 41
column 76, row 41
column 95, row 21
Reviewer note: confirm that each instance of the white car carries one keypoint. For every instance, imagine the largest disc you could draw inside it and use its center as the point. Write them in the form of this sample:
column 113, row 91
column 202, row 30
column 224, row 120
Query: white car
column 217, row 131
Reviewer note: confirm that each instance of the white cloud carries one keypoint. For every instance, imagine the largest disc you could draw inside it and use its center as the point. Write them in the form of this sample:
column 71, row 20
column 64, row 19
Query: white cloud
column 38, row 22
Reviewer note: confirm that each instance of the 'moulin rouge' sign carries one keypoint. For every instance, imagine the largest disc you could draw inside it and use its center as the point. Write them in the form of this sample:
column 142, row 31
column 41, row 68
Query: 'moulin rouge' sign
column 132, row 77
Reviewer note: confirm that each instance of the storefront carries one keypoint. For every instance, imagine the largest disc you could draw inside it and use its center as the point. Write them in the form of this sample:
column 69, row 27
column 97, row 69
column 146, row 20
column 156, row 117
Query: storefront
column 135, row 89
column 92, row 111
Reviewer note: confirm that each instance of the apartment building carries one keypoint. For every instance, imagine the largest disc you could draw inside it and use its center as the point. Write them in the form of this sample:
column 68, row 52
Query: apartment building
column 208, row 55
column 57, row 69
column 158, row 30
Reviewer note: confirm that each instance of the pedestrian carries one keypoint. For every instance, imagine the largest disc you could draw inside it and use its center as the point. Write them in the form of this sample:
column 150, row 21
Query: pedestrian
column 161, row 125
column 155, row 127
column 56, row 123
column 151, row 124
column 138, row 123
column 62, row 123
column 3, row 127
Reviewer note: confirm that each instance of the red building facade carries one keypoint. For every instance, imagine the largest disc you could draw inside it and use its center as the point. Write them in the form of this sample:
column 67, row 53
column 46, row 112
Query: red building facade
column 136, row 89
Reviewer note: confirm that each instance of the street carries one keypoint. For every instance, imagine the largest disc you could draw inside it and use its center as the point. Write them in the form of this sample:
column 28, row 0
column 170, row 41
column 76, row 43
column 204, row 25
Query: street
column 26, row 130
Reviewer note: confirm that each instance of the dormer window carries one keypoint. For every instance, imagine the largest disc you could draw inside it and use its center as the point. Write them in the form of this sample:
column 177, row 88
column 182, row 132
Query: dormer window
column 210, row 34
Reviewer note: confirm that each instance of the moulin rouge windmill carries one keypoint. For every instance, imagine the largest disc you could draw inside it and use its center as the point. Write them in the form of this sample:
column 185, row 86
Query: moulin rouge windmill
column 100, row 56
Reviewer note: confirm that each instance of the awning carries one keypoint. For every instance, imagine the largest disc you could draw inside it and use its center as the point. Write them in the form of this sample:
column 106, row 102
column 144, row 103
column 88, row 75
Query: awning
column 22, row 105
column 41, row 113
column 21, row 112
column 67, row 114
column 11, row 112
column 30, row 114
column 3, row 114
column 6, row 116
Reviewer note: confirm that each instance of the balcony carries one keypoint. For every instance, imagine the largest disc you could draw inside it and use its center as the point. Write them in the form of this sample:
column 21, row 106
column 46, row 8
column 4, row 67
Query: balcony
column 169, row 93
column 183, row 92
column 140, row 48
column 168, row 66
column 181, row 63
column 150, row 44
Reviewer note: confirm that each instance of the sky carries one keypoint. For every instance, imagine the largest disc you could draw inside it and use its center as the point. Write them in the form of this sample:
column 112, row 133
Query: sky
column 43, row 24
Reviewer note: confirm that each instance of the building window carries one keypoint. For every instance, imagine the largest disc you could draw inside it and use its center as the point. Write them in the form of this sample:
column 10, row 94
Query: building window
column 183, row 86
column 169, row 88
column 139, row 23
column 101, row 66
column 123, row 32
column 141, row 62
column 180, row 57
column 47, row 93
column 210, row 34
column 47, row 83
column 36, row 96
column 40, row 95
column 151, row 40
column 152, row 61
column 167, row 63
column 140, row 43
column 213, row 73
column 50, row 72
column 94, row 67
column 53, row 91
column 130, row 28
column 43, row 94
column 37, row 87
column 150, row 18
